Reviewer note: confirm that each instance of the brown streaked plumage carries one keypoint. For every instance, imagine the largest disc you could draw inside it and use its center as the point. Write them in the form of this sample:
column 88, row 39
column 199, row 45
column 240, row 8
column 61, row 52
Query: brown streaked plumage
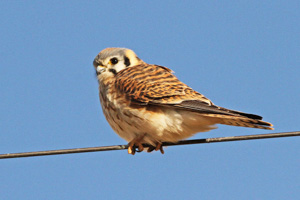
column 146, row 103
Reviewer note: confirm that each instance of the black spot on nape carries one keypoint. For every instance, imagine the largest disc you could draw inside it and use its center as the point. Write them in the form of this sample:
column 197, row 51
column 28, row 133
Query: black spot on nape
column 113, row 71
column 126, row 61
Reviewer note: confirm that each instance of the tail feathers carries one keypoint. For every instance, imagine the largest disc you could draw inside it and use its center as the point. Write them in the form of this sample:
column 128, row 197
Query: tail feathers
column 241, row 121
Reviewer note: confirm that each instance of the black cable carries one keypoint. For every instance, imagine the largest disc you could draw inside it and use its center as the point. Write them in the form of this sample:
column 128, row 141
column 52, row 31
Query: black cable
column 122, row 147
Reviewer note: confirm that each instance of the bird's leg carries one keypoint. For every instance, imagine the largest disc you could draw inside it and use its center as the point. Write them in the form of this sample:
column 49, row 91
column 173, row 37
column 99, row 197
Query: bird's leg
column 156, row 148
column 136, row 143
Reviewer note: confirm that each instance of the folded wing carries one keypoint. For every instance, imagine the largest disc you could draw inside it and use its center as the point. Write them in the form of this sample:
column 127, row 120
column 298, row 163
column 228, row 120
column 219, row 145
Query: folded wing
column 156, row 85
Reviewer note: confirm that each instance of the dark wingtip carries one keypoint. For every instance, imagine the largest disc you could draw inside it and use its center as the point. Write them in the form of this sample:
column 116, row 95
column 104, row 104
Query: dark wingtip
column 252, row 116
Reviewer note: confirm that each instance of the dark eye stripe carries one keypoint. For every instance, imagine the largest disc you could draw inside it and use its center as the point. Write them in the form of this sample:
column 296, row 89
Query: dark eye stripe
column 113, row 71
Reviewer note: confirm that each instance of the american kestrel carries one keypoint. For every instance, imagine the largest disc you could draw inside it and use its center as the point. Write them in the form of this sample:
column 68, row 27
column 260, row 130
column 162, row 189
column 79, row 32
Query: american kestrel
column 147, row 104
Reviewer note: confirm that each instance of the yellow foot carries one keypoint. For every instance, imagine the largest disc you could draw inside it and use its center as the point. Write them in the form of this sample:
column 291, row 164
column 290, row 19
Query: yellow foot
column 135, row 143
column 158, row 147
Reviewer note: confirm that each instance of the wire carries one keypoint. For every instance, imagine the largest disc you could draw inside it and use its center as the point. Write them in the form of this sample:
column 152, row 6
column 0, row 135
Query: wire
column 122, row 147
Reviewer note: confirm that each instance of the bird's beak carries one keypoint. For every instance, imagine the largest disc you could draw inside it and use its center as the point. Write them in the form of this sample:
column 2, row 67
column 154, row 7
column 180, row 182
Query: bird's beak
column 100, row 69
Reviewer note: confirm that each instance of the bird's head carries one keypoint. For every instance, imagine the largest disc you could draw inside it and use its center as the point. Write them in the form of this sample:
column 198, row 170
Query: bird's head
column 112, row 60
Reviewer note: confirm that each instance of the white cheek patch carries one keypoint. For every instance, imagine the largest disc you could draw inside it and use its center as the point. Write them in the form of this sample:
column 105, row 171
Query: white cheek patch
column 119, row 66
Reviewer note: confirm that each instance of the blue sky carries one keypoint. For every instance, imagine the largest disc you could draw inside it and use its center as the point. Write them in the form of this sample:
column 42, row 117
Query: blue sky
column 241, row 55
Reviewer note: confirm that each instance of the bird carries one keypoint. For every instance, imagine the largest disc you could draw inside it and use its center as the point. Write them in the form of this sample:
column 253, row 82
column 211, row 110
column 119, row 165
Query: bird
column 147, row 104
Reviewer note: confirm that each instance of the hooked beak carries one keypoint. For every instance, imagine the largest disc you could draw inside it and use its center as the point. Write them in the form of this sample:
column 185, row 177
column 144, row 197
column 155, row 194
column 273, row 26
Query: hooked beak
column 100, row 69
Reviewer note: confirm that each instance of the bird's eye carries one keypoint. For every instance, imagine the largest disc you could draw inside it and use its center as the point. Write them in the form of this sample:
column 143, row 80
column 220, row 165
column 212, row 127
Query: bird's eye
column 114, row 61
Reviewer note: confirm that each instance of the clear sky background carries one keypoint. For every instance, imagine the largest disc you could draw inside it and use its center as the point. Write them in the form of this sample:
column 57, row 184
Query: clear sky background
column 242, row 55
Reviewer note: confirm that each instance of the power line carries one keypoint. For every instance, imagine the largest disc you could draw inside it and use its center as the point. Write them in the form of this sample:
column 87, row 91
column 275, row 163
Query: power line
column 122, row 147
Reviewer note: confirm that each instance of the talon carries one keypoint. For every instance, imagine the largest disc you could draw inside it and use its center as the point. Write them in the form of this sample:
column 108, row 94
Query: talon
column 140, row 147
column 150, row 149
column 160, row 148
column 156, row 148
column 135, row 144
column 131, row 149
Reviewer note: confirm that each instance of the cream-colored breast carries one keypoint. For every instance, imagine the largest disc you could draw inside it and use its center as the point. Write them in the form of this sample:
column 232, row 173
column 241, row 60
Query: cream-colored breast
column 158, row 123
